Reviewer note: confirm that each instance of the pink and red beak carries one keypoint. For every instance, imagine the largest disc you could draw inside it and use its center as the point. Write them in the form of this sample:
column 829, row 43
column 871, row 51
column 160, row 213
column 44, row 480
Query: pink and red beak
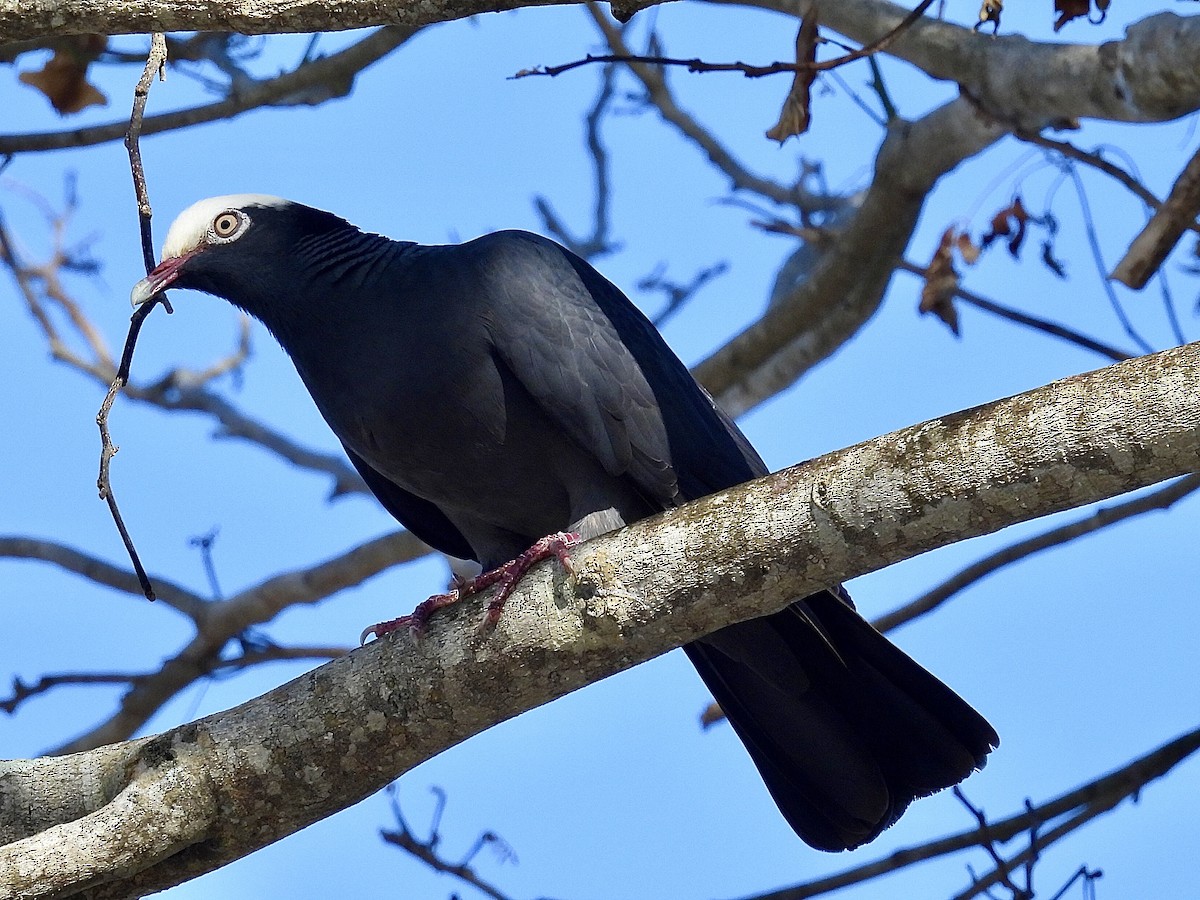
column 158, row 280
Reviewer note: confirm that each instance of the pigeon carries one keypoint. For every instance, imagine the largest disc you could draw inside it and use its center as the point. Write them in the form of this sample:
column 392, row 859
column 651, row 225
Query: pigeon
column 499, row 391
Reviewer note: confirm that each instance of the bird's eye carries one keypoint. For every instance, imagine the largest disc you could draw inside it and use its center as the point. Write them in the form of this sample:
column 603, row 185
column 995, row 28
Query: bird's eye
column 226, row 224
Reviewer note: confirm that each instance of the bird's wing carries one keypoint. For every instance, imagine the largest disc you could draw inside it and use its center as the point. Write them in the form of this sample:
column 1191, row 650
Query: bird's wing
column 553, row 335
column 600, row 368
column 419, row 516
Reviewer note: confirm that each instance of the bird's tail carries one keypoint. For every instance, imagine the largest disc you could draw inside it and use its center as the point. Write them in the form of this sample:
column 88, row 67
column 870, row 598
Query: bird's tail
column 845, row 728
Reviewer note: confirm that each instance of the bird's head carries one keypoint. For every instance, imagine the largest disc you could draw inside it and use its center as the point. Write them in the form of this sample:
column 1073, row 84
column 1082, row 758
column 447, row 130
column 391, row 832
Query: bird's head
column 233, row 246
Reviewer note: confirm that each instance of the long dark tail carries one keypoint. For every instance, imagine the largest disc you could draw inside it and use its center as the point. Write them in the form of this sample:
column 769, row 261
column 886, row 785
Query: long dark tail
column 845, row 728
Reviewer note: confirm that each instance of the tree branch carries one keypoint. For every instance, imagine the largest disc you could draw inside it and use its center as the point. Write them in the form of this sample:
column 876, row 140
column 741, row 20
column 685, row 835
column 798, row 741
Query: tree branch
column 20, row 20
column 97, row 570
column 1164, row 498
column 339, row 733
column 226, row 619
column 1085, row 803
column 312, row 82
column 1160, row 235
column 1032, row 84
column 846, row 286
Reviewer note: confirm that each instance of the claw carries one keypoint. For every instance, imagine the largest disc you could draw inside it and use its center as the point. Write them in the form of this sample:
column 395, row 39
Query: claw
column 417, row 622
column 505, row 577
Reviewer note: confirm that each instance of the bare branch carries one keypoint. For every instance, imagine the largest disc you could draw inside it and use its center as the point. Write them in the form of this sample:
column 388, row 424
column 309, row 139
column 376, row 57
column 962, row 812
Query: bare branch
column 598, row 242
column 1081, row 805
column 696, row 65
column 846, row 285
column 678, row 294
column 720, row 156
column 1098, row 162
column 226, row 619
column 1029, row 84
column 311, row 82
column 427, row 851
column 1160, row 235
column 178, row 389
column 22, row 691
column 277, row 653
column 1164, row 498
column 1054, row 329
column 1089, row 229
column 155, row 61
column 97, row 570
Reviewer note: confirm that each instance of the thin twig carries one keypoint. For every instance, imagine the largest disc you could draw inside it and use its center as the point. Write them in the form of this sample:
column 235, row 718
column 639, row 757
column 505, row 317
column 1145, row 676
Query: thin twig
column 678, row 294
column 748, row 70
column 330, row 76
column 225, row 620
column 154, row 64
column 427, row 851
column 1089, row 227
column 1081, row 804
column 1002, row 874
column 660, row 95
column 597, row 243
column 1096, row 161
column 1102, row 518
column 1038, row 324
column 22, row 691
column 101, row 572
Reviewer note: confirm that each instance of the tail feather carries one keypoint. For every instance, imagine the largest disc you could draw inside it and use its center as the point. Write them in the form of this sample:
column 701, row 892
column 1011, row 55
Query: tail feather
column 845, row 728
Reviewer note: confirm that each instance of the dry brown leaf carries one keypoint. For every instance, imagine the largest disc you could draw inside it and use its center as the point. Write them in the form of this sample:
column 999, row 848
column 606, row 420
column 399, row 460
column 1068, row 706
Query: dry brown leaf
column 795, row 116
column 967, row 248
column 64, row 77
column 941, row 281
column 989, row 11
column 1010, row 222
column 1070, row 9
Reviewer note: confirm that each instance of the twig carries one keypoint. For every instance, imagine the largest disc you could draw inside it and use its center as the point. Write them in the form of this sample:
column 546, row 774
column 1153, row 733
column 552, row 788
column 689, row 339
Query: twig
column 1044, row 325
column 334, row 74
column 426, row 851
column 277, row 653
column 1081, row 805
column 22, row 691
column 224, row 620
column 154, row 63
column 1102, row 518
column 1096, row 161
column 748, row 70
column 678, row 294
column 1089, row 227
column 76, row 561
column 1089, row 876
column 1002, row 874
column 659, row 94
column 598, row 242
column 1160, row 235
column 180, row 388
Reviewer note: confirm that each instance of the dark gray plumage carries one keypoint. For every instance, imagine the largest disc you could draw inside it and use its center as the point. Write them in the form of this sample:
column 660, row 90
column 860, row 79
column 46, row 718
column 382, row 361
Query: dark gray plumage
column 494, row 392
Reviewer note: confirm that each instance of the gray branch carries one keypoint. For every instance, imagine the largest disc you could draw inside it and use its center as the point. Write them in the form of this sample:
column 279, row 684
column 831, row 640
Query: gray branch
column 310, row 83
column 1006, row 84
column 330, row 738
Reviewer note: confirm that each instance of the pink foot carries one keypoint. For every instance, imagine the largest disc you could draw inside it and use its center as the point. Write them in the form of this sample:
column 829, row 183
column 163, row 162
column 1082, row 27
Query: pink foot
column 417, row 621
column 505, row 577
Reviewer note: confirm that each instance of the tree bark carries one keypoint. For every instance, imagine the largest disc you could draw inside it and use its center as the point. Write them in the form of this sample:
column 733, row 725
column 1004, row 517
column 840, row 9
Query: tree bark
column 133, row 818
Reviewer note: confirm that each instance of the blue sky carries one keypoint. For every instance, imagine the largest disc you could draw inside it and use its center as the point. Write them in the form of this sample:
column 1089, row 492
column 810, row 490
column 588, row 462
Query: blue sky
column 1081, row 657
